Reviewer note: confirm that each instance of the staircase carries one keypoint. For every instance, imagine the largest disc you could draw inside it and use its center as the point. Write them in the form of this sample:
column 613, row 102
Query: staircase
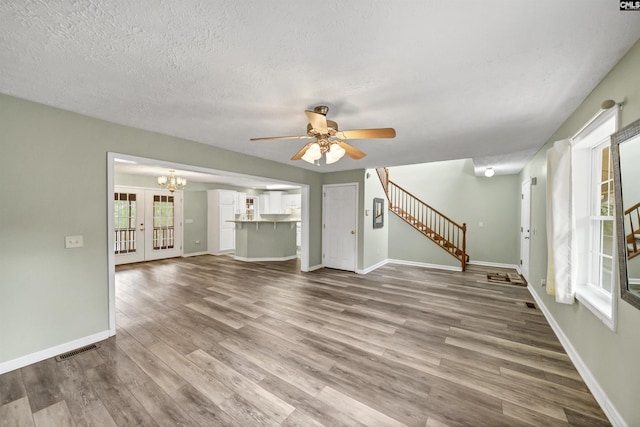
column 632, row 217
column 432, row 224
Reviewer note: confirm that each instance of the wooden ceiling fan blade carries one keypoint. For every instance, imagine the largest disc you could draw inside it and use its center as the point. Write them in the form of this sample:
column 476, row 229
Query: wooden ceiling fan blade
column 300, row 153
column 318, row 121
column 280, row 137
column 352, row 152
column 367, row 133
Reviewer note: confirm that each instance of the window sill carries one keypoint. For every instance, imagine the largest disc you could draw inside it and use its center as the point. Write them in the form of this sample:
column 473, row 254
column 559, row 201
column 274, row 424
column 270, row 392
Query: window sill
column 598, row 302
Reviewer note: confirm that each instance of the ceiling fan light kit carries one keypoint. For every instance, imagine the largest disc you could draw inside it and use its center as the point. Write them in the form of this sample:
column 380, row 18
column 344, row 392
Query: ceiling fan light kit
column 328, row 139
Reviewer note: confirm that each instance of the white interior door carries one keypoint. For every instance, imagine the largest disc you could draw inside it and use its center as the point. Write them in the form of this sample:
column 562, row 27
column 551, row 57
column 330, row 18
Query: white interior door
column 340, row 222
column 128, row 223
column 525, row 228
column 163, row 219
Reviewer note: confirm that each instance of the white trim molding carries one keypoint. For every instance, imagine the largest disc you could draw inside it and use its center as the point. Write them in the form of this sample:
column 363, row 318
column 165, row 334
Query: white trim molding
column 316, row 267
column 495, row 264
column 286, row 258
column 41, row 355
column 424, row 265
column 373, row 267
column 598, row 393
column 190, row 254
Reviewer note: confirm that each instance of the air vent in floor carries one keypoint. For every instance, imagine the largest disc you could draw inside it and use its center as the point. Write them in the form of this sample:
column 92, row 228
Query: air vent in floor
column 530, row 305
column 65, row 356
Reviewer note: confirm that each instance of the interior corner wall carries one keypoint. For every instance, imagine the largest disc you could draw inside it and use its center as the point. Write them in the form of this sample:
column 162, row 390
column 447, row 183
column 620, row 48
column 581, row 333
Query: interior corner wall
column 49, row 295
column 609, row 356
column 489, row 206
column 375, row 242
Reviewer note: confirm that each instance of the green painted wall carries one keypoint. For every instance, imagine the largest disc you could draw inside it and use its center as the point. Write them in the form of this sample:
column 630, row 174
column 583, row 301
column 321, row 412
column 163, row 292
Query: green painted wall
column 194, row 218
column 50, row 295
column 610, row 356
column 375, row 248
column 489, row 206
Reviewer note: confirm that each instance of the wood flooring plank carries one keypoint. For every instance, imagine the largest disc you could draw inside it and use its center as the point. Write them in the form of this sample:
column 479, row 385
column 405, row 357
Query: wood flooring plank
column 123, row 407
column 16, row 413
column 86, row 408
column 11, row 387
column 355, row 409
column 42, row 381
column 209, row 386
column 271, row 405
column 201, row 409
column 157, row 370
column 56, row 415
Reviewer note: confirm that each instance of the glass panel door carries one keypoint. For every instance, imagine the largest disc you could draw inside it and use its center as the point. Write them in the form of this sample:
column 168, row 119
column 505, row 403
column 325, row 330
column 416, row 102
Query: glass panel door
column 128, row 224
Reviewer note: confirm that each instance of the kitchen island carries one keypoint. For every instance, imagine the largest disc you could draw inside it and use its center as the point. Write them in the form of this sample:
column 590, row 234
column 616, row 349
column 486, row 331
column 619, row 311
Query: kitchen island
column 265, row 240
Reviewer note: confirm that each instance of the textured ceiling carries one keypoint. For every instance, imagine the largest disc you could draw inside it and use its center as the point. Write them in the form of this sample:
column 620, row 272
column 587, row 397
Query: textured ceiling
column 489, row 80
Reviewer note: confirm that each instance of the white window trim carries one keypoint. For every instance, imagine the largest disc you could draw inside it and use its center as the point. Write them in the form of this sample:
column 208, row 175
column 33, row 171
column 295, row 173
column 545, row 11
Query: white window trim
column 603, row 305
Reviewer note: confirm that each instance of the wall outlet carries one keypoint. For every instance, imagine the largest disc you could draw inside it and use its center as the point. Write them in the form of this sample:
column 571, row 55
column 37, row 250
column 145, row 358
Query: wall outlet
column 543, row 282
column 73, row 242
column 197, row 242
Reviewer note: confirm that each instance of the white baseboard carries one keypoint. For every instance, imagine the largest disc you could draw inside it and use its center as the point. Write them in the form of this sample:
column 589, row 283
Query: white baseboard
column 38, row 356
column 286, row 258
column 373, row 267
column 598, row 393
column 495, row 264
column 195, row 254
column 424, row 265
column 633, row 281
column 316, row 267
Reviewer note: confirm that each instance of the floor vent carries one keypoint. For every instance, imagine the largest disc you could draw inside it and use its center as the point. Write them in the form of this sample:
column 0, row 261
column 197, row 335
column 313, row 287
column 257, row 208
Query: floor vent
column 65, row 356
column 530, row 305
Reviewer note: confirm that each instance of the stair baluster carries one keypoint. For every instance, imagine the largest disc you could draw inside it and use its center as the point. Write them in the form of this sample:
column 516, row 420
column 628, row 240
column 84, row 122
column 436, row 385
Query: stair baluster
column 446, row 233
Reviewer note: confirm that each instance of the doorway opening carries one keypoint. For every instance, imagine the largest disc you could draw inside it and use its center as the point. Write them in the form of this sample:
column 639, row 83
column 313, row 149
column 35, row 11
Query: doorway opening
column 224, row 178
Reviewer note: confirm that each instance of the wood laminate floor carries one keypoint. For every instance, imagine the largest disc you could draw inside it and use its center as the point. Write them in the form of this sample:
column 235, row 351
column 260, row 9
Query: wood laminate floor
column 210, row 341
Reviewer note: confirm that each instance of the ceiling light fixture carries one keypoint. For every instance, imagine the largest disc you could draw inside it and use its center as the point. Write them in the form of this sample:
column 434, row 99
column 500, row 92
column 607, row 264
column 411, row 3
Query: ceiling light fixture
column 331, row 149
column 171, row 182
column 489, row 172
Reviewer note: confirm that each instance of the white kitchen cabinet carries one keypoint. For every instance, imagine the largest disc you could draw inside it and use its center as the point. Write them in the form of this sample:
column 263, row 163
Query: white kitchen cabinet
column 291, row 201
column 241, row 204
column 275, row 202
column 271, row 202
column 221, row 207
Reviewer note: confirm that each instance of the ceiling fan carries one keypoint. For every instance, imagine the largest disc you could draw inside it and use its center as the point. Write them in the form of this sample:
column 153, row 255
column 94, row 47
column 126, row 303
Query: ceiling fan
column 328, row 139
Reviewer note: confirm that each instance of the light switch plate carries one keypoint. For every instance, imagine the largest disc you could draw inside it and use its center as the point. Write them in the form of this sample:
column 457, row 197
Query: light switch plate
column 73, row 242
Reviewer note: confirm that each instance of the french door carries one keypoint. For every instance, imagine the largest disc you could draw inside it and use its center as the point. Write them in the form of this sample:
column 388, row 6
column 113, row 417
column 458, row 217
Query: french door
column 147, row 224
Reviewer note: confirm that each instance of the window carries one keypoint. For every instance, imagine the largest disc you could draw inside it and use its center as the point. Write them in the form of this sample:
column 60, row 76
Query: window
column 124, row 224
column 602, row 217
column 593, row 199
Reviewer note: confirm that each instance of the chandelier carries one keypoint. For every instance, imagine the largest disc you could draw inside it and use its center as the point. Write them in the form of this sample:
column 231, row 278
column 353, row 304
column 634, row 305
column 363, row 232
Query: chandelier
column 171, row 182
column 331, row 150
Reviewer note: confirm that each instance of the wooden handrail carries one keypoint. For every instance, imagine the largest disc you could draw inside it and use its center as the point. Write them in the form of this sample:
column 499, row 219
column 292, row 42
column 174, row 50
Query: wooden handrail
column 433, row 209
column 430, row 222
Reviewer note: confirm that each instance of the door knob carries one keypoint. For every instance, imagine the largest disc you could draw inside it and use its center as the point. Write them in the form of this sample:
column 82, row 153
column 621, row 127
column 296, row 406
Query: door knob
column 353, row 232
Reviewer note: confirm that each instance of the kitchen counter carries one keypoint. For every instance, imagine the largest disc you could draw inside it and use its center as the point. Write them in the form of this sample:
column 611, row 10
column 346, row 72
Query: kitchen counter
column 265, row 240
